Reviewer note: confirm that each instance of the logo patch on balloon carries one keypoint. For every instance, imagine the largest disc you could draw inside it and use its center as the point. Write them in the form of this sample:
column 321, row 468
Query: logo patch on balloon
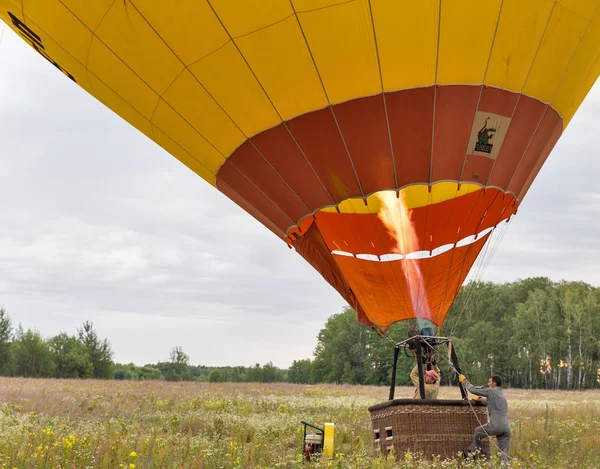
column 487, row 134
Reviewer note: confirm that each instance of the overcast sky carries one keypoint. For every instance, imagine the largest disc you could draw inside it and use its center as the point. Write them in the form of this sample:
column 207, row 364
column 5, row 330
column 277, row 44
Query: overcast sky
column 99, row 223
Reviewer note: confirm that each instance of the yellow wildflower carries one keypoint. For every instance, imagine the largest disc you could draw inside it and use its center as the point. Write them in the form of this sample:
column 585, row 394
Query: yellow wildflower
column 133, row 454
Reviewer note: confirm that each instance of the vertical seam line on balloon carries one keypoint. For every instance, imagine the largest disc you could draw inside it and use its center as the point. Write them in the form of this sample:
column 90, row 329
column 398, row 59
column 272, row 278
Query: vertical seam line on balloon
column 250, row 204
column 268, row 98
column 558, row 128
column 591, row 67
column 360, row 265
column 185, row 67
column 475, row 114
column 562, row 76
column 395, row 276
column 343, row 276
column 160, row 97
column 261, row 191
column 87, row 57
column 487, row 65
column 429, row 200
column 93, row 35
column 151, row 123
column 309, row 163
column 435, row 85
column 387, row 120
column 312, row 57
column 447, row 222
column 121, row 97
column 280, row 117
column 437, row 59
column 218, row 104
column 115, row 54
column 234, row 123
column 537, row 50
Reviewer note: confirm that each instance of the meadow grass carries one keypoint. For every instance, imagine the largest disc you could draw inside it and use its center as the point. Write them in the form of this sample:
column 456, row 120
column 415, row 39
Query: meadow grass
column 49, row 423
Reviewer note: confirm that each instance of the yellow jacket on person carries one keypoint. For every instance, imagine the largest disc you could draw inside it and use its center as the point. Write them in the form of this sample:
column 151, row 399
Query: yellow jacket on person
column 431, row 390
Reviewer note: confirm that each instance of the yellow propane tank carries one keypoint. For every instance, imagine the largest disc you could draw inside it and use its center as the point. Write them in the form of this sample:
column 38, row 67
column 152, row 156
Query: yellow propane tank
column 328, row 438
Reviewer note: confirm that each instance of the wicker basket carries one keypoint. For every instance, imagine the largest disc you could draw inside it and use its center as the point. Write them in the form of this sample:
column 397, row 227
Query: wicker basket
column 433, row 427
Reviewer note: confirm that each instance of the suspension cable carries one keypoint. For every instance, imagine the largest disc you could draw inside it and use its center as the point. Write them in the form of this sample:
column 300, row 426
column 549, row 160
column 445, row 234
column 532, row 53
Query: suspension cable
column 472, row 409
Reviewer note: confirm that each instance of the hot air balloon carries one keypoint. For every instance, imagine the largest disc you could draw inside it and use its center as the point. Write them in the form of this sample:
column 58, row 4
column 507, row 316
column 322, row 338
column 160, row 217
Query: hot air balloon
column 383, row 140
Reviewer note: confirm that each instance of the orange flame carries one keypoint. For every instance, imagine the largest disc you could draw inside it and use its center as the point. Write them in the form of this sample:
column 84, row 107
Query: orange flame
column 395, row 216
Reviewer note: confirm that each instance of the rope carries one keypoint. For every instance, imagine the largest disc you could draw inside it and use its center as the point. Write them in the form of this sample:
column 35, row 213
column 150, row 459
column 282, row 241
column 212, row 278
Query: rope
column 472, row 410
column 495, row 443
column 386, row 336
column 482, row 264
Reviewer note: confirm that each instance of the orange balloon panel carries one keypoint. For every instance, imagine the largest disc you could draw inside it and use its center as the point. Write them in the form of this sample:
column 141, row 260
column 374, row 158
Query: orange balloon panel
column 409, row 288
column 431, row 226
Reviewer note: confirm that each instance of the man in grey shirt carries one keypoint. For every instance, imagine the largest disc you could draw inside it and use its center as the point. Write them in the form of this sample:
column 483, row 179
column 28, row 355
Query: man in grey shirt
column 498, row 412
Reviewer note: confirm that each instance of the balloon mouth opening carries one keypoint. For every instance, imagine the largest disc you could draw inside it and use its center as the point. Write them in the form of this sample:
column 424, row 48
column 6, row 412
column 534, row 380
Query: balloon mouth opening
column 390, row 257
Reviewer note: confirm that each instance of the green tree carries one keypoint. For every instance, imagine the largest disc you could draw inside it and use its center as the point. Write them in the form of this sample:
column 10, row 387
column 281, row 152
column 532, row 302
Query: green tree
column 214, row 376
column 6, row 336
column 99, row 351
column 578, row 306
column 178, row 369
column 236, row 376
column 32, row 356
column 133, row 372
column 150, row 372
column 125, row 372
column 341, row 355
column 255, row 374
column 271, row 373
column 301, row 371
column 71, row 357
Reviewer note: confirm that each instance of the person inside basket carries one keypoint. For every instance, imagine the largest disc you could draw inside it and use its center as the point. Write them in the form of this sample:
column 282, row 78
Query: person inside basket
column 432, row 382
column 498, row 411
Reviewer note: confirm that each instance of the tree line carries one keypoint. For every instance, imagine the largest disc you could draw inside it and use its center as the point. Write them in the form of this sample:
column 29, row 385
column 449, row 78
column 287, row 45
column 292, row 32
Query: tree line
column 535, row 333
column 26, row 353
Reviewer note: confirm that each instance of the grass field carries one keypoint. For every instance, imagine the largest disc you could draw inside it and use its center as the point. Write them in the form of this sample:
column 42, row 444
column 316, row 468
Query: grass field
column 138, row 425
